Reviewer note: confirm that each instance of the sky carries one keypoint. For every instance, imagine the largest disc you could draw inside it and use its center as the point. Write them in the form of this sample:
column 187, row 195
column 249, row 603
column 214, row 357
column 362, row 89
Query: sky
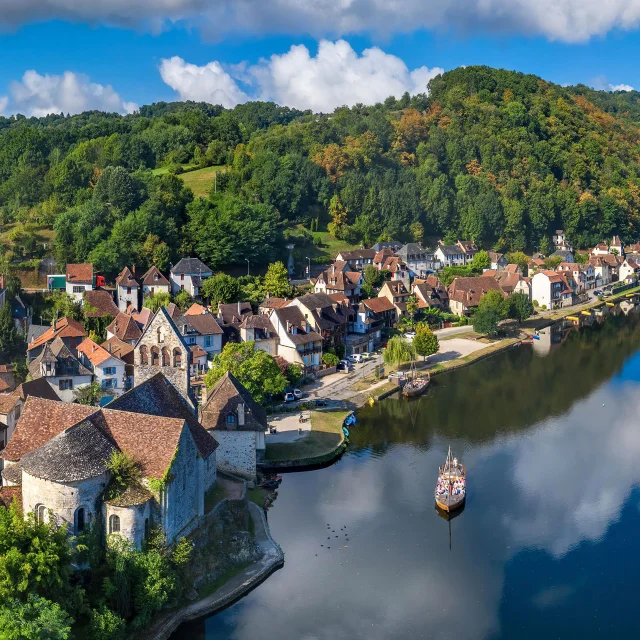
column 69, row 56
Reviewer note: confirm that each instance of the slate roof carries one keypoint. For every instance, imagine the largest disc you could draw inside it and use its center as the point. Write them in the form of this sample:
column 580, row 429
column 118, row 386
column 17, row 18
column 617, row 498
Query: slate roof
column 410, row 249
column 79, row 273
column 450, row 249
column 225, row 397
column 38, row 388
column 292, row 317
column 103, row 302
column 562, row 254
column 35, row 331
column 125, row 328
column 358, row 254
column 191, row 266
column 205, row 324
column 394, row 245
column 468, row 291
column 495, row 257
column 63, row 328
column 235, row 312
column 13, row 474
column 65, row 363
column 149, row 278
column 157, row 397
column 79, row 453
column 258, row 322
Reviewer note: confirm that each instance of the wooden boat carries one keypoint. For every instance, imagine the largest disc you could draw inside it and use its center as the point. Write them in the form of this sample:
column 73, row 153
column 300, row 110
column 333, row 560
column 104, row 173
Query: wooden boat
column 451, row 489
column 416, row 385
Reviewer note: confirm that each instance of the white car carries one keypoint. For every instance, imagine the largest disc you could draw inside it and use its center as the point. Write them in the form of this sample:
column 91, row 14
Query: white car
column 355, row 358
column 298, row 394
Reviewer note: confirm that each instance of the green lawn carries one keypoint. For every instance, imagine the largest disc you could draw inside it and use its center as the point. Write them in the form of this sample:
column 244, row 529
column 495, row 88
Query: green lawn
column 325, row 436
column 329, row 247
column 201, row 181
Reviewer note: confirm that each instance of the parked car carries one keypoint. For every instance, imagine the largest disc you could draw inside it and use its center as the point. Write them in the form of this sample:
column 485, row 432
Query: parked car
column 410, row 334
column 597, row 292
column 367, row 356
column 289, row 397
column 298, row 394
column 355, row 358
column 342, row 366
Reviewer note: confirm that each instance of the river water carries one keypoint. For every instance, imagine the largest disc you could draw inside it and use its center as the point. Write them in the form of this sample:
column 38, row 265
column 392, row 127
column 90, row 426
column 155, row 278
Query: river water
column 546, row 546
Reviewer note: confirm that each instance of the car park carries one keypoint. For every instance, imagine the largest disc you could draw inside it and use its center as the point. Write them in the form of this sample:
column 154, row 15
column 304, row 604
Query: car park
column 342, row 367
column 355, row 358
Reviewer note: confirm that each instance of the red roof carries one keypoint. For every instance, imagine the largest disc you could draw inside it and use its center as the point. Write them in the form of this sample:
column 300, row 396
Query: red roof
column 93, row 351
column 80, row 273
column 63, row 328
column 379, row 305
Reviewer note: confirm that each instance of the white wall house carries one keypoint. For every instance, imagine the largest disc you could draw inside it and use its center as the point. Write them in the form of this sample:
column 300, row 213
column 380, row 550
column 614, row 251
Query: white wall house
column 78, row 279
column 127, row 291
column 108, row 371
column 201, row 329
column 551, row 289
column 450, row 255
column 188, row 275
column 298, row 342
column 154, row 282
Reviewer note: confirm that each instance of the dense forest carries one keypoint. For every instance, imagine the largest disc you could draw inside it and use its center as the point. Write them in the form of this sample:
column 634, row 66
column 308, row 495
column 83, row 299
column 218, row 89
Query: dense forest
column 495, row 156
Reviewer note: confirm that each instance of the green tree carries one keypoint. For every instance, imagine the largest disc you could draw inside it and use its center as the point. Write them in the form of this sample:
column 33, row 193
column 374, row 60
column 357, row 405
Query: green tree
column 183, row 300
column 330, row 359
column 520, row 307
column 35, row 619
column 276, row 280
column 254, row 368
column 221, row 288
column 372, row 279
column 106, row 624
column 9, row 339
column 519, row 258
column 417, row 231
column 157, row 300
column 552, row 262
column 481, row 261
column 412, row 307
column 581, row 258
column 425, row 341
column 89, row 394
column 398, row 350
column 486, row 322
column 64, row 306
column 495, row 299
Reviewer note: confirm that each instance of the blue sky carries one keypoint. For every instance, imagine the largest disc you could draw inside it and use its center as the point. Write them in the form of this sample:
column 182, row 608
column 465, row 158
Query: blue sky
column 128, row 55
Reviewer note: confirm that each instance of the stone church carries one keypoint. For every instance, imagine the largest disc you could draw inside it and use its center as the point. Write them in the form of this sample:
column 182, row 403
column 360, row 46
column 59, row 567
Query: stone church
column 58, row 453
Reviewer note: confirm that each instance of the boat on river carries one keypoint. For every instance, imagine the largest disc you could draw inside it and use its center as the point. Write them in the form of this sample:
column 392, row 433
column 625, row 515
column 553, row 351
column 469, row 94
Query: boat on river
column 417, row 384
column 451, row 489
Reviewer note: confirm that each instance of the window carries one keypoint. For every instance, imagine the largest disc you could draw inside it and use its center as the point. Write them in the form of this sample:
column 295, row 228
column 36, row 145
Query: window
column 40, row 512
column 191, row 340
column 128, row 291
column 177, row 357
column 155, row 356
column 77, row 289
column 109, row 371
column 144, row 355
column 109, row 383
column 160, row 336
column 65, row 385
column 165, row 357
column 114, row 524
column 79, row 520
column 208, row 341
column 182, row 276
column 231, row 418
column 181, row 287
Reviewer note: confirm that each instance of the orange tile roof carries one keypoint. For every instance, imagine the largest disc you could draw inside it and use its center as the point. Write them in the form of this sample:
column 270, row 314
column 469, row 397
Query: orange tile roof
column 195, row 309
column 80, row 273
column 379, row 305
column 93, row 351
column 63, row 328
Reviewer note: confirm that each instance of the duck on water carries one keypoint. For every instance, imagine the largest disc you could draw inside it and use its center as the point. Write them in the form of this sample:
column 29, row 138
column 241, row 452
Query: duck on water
column 451, row 489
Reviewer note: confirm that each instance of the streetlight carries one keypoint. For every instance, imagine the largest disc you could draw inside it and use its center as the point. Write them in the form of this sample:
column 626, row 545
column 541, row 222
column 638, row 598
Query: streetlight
column 247, row 261
column 309, row 267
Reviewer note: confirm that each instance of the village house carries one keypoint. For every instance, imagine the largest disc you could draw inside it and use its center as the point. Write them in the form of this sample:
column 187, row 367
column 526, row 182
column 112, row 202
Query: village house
column 430, row 293
column 78, row 279
column 188, row 275
column 469, row 249
column 108, row 370
column 357, row 259
column 560, row 241
column 564, row 255
column 338, row 279
column 237, row 423
column 128, row 290
column 612, row 261
column 270, row 303
column 234, row 313
column 465, row 293
column 398, row 270
column 601, row 249
column 510, row 282
column 328, row 318
column 123, row 351
column 381, row 258
column 261, row 332
column 450, row 255
column 12, row 403
column 383, row 308
column 535, row 264
column 61, row 369
column 70, row 331
column 601, row 270
column 125, row 328
column 498, row 261
column 365, row 330
column 201, row 329
column 573, row 271
column 419, row 260
column 397, row 294
column 617, row 246
column 394, row 245
column 142, row 317
column 629, row 270
column 298, row 342
column 551, row 289
column 154, row 282
column 101, row 303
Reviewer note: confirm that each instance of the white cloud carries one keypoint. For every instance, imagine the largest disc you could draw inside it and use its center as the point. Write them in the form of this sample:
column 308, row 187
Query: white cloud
column 40, row 95
column 210, row 83
column 336, row 76
column 565, row 20
column 620, row 87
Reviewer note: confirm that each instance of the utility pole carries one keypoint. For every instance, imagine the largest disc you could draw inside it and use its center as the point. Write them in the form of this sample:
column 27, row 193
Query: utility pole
column 247, row 260
column 309, row 267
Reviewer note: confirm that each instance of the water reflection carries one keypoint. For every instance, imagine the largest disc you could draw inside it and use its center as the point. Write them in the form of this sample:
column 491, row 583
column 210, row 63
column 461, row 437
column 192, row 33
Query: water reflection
column 545, row 539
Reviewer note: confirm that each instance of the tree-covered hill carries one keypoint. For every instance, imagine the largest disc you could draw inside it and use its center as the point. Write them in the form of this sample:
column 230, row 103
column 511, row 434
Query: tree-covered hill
column 491, row 155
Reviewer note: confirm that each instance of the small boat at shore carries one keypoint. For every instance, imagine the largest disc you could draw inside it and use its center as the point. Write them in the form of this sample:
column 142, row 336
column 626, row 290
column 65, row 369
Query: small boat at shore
column 451, row 489
column 416, row 385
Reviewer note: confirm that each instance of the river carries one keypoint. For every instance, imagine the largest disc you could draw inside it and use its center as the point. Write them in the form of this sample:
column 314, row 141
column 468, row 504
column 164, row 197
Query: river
column 545, row 547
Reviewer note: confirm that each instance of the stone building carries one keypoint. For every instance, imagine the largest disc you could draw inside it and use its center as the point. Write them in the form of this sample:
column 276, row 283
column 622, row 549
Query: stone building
column 238, row 423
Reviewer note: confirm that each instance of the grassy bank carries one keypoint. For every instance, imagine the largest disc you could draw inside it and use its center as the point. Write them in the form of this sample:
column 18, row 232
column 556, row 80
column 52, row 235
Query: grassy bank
column 325, row 436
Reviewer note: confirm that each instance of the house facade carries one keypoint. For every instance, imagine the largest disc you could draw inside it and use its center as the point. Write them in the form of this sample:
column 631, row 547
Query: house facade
column 78, row 279
column 327, row 317
column 466, row 293
column 450, row 255
column 365, row 330
column 357, row 259
column 188, row 275
column 237, row 423
column 298, row 342
column 108, row 370
column 154, row 282
column 551, row 289
column 70, row 331
column 498, row 261
column 128, row 290
column 259, row 330
column 419, row 260
column 200, row 329
column 338, row 279
column 397, row 294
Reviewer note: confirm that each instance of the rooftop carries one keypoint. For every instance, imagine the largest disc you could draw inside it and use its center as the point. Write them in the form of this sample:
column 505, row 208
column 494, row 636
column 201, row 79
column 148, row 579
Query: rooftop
column 80, row 273
column 102, row 301
column 62, row 328
column 191, row 266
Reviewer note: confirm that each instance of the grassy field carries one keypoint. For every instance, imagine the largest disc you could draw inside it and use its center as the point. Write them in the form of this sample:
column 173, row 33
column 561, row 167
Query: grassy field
column 325, row 436
column 200, row 181
column 160, row 171
column 329, row 247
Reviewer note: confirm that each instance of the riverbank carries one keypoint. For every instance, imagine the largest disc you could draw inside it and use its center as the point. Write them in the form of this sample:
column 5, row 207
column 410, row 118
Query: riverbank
column 235, row 587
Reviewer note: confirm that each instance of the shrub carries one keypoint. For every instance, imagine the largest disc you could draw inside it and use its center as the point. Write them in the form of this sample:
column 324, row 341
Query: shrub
column 330, row 359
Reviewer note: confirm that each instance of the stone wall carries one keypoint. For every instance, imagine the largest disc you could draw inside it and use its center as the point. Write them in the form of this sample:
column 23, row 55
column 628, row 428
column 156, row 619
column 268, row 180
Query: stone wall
column 63, row 498
column 183, row 500
column 210, row 470
column 236, row 452
column 170, row 340
column 132, row 521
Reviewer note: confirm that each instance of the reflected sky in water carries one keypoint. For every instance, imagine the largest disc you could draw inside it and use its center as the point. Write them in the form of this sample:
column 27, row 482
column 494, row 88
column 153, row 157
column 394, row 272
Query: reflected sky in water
column 545, row 547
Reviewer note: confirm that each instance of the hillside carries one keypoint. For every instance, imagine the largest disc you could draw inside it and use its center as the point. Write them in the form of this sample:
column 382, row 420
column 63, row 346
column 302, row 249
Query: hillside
column 491, row 155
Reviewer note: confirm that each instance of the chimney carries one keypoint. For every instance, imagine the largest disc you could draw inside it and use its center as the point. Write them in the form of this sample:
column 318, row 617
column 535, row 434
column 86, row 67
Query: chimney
column 241, row 414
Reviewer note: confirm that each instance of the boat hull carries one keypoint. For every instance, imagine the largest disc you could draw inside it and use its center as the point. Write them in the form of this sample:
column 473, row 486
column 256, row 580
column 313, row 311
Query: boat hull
column 451, row 505
column 413, row 392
